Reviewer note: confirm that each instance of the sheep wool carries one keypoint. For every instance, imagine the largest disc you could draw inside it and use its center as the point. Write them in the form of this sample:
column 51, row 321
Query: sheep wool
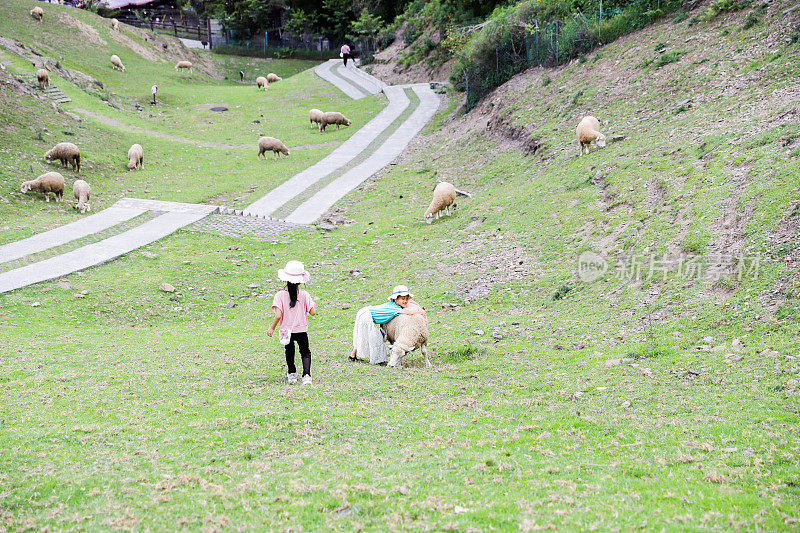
column 116, row 63
column 588, row 132
column 66, row 153
column 37, row 13
column 271, row 144
column 315, row 115
column 135, row 157
column 406, row 333
column 272, row 77
column 114, row 24
column 43, row 78
column 333, row 117
column 261, row 83
column 82, row 192
column 443, row 196
column 49, row 182
column 185, row 65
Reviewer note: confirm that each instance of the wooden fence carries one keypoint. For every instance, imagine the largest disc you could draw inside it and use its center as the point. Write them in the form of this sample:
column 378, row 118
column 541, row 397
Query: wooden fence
column 201, row 32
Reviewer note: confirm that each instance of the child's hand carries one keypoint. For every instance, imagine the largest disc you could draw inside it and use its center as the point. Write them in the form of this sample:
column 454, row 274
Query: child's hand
column 270, row 331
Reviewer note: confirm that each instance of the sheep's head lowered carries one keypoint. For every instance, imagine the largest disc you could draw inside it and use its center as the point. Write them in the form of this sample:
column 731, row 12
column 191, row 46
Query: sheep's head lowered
column 406, row 333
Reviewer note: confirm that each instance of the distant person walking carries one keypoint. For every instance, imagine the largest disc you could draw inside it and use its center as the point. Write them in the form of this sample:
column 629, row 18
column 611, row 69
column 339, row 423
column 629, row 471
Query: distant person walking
column 346, row 54
column 292, row 307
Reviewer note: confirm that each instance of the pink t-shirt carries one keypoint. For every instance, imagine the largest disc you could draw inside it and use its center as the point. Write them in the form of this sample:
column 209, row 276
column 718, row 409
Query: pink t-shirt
column 295, row 317
column 345, row 49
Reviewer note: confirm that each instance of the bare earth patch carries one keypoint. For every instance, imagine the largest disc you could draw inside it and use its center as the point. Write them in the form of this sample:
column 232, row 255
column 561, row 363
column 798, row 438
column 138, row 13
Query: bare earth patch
column 89, row 32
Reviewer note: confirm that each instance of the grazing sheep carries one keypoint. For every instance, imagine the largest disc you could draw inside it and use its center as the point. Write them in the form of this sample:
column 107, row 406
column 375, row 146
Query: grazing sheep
column 588, row 132
column 332, row 117
column 271, row 144
column 272, row 77
column 261, row 83
column 406, row 333
column 135, row 157
column 48, row 182
column 443, row 196
column 185, row 64
column 66, row 153
column 315, row 115
column 116, row 63
column 37, row 13
column 153, row 91
column 114, row 24
column 82, row 192
column 43, row 78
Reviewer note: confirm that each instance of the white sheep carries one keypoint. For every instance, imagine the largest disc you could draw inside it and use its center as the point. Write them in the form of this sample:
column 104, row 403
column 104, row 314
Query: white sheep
column 443, row 196
column 116, row 63
column 185, row 65
column 37, row 13
column 43, row 77
column 272, row 77
column 261, row 83
column 135, row 157
column 333, row 117
column 52, row 182
column 315, row 115
column 82, row 192
column 271, row 144
column 66, row 153
column 114, row 24
column 588, row 132
column 406, row 333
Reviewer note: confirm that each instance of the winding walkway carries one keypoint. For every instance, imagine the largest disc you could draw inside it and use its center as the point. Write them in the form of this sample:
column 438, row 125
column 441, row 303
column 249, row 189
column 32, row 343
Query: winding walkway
column 367, row 143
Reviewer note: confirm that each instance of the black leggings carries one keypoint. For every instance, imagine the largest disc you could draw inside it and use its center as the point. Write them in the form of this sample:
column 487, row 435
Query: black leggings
column 346, row 57
column 305, row 353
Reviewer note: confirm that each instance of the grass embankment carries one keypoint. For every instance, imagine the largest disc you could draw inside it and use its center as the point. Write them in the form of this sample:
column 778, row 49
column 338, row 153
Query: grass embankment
column 135, row 408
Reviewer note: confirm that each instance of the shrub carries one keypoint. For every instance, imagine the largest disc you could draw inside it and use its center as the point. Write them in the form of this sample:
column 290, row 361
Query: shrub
column 659, row 46
column 669, row 57
column 679, row 17
column 386, row 40
column 750, row 21
column 411, row 34
column 546, row 80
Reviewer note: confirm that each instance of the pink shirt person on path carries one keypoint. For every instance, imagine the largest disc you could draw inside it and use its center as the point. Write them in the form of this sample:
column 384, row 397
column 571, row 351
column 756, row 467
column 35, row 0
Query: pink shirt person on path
column 295, row 317
column 345, row 49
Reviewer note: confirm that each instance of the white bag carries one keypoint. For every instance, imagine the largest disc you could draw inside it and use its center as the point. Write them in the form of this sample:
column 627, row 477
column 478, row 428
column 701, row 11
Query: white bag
column 285, row 336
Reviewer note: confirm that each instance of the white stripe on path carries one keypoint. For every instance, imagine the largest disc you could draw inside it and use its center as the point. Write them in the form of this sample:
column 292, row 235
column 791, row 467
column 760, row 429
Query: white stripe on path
column 324, row 72
column 97, row 253
column 56, row 237
column 346, row 152
column 316, row 206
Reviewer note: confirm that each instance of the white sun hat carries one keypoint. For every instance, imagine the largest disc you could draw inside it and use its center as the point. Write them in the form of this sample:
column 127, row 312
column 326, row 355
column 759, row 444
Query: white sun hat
column 400, row 290
column 294, row 272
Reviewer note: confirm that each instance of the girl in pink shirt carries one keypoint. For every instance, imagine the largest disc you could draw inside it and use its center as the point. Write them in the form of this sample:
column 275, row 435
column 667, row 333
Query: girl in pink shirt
column 292, row 308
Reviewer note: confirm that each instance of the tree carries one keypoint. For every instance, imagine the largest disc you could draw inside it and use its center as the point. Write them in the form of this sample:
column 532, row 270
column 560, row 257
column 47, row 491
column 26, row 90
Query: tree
column 367, row 25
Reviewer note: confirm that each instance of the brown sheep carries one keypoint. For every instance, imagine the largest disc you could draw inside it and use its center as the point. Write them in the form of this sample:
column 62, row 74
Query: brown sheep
column 49, row 182
column 66, row 153
column 332, row 117
column 271, row 144
column 43, row 78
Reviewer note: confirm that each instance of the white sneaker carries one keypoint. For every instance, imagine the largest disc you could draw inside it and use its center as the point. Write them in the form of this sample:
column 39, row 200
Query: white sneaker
column 292, row 378
column 307, row 380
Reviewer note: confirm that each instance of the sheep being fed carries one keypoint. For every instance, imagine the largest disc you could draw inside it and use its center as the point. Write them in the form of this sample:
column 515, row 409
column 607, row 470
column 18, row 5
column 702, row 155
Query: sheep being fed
column 271, row 144
column 443, row 196
column 66, row 153
column 588, row 132
column 135, row 157
column 49, row 182
column 43, row 77
column 116, row 63
column 333, row 117
column 261, row 83
column 406, row 333
column 82, row 192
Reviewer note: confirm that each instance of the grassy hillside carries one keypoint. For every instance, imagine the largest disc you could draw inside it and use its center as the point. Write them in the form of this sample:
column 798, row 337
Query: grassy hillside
column 668, row 402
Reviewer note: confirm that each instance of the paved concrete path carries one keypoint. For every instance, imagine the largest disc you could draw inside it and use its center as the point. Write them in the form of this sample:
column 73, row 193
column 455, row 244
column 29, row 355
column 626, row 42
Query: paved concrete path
column 283, row 193
column 316, row 206
column 347, row 87
column 56, row 237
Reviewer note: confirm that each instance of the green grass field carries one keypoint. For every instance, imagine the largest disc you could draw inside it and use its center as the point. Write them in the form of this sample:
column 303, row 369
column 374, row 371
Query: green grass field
column 605, row 409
